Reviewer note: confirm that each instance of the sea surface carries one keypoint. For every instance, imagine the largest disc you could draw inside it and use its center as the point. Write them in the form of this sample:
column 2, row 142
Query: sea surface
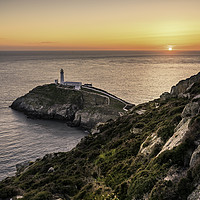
column 133, row 76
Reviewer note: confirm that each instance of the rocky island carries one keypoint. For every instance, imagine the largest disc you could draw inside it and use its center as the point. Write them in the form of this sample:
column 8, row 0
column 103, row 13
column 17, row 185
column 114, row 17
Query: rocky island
column 85, row 108
column 150, row 152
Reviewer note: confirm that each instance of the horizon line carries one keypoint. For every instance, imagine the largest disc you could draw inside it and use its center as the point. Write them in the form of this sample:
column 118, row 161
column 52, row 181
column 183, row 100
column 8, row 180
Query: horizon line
column 174, row 50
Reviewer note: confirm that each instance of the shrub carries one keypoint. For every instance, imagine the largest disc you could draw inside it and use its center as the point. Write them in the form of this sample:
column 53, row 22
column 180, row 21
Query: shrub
column 177, row 155
column 44, row 195
column 166, row 132
column 7, row 192
column 184, row 188
column 142, row 183
column 139, row 125
column 121, row 190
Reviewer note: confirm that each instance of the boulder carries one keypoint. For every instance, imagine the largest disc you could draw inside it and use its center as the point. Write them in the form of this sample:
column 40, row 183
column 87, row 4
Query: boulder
column 195, row 156
column 148, row 146
column 50, row 170
column 177, row 137
column 191, row 109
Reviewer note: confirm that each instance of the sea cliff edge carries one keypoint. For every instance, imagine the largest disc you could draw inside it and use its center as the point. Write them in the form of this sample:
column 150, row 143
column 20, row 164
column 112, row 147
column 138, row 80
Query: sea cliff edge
column 85, row 108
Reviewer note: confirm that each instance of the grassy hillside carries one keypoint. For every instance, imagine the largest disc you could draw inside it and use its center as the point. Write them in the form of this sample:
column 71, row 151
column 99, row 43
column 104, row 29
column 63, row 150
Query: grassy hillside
column 130, row 158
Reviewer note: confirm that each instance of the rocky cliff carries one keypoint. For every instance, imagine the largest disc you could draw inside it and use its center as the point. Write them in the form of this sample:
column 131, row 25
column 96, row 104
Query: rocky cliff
column 152, row 152
column 83, row 108
column 184, row 86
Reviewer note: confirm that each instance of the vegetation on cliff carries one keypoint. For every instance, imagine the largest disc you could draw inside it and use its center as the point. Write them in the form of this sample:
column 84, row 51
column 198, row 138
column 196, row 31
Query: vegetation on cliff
column 82, row 107
column 152, row 152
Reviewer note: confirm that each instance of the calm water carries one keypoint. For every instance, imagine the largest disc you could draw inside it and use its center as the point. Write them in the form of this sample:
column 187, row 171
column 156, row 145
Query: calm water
column 132, row 76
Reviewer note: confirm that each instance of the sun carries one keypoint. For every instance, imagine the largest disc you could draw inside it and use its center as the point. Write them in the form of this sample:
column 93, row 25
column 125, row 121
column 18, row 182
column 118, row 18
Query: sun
column 170, row 49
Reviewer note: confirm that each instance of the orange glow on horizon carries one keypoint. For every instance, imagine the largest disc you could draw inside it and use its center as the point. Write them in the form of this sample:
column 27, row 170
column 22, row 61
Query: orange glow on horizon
column 99, row 25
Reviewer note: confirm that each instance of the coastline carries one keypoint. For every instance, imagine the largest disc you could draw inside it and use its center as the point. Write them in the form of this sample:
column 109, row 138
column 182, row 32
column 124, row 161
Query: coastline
column 83, row 108
column 153, row 144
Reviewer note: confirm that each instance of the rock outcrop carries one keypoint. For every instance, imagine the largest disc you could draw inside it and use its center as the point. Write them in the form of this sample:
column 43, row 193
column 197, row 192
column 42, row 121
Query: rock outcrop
column 77, row 108
column 178, row 136
column 184, row 86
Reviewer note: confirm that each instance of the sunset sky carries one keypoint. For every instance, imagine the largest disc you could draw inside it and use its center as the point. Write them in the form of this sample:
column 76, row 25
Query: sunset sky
column 99, row 25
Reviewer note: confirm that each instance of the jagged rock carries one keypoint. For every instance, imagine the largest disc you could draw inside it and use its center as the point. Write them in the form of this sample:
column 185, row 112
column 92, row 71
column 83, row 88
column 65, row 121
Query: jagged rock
column 177, row 137
column 184, row 85
column 96, row 129
column 175, row 174
column 151, row 142
column 196, row 98
column 195, row 156
column 181, row 95
column 88, row 119
column 50, row 170
column 195, row 195
column 190, row 86
column 191, row 109
column 20, row 167
column 180, row 124
column 77, row 119
column 165, row 96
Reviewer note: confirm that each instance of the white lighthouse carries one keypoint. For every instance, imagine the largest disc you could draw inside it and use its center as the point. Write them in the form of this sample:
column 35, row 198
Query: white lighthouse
column 75, row 85
column 61, row 76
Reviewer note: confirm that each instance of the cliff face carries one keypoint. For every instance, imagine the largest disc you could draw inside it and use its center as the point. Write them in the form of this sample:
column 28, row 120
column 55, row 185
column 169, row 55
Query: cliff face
column 151, row 152
column 184, row 86
column 78, row 108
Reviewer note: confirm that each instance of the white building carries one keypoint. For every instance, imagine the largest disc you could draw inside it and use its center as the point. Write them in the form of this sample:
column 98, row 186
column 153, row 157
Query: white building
column 76, row 85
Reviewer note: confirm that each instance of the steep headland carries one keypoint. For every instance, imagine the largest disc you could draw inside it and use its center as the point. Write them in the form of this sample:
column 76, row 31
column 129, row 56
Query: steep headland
column 151, row 152
column 85, row 107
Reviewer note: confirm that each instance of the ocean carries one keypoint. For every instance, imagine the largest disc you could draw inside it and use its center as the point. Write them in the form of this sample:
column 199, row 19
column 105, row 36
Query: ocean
column 136, row 77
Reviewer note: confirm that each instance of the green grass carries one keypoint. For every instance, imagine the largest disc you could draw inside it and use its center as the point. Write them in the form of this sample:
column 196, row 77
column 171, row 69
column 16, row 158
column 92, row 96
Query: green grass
column 109, row 164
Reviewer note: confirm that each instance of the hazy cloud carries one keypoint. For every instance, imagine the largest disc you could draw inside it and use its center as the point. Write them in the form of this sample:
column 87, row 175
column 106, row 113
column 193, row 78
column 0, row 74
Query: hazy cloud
column 46, row 42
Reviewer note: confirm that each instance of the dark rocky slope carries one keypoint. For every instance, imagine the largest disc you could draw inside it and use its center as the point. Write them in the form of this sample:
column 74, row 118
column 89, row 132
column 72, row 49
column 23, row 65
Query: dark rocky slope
column 83, row 108
column 152, row 152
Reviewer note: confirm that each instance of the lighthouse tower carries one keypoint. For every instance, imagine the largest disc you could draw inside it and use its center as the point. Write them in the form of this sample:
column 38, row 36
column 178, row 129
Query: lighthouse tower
column 61, row 76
